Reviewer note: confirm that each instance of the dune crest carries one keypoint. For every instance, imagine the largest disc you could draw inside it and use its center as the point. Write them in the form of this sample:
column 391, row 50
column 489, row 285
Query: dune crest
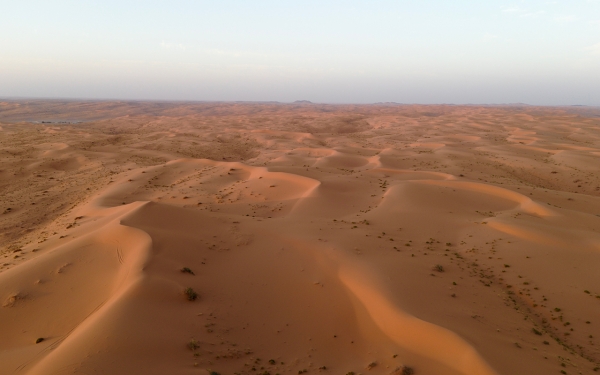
column 428, row 340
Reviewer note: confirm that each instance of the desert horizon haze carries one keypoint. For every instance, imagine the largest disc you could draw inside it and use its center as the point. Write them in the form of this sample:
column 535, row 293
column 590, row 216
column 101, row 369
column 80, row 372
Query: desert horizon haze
column 537, row 51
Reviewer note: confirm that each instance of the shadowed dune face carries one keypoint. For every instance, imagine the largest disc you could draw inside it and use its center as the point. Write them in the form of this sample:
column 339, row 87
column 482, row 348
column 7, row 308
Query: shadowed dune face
column 242, row 238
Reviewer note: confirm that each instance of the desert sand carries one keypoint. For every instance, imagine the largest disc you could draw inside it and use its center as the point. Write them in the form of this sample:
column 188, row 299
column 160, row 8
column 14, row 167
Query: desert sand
column 268, row 238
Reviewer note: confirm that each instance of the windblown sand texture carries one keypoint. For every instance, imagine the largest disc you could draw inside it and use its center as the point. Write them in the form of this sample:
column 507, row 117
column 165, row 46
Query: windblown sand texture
column 319, row 239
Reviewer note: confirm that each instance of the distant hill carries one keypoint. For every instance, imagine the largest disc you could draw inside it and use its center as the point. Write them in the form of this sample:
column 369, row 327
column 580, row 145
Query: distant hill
column 303, row 102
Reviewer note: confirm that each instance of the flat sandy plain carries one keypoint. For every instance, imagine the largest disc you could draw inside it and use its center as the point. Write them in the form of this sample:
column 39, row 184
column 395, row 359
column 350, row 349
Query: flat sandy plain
column 319, row 239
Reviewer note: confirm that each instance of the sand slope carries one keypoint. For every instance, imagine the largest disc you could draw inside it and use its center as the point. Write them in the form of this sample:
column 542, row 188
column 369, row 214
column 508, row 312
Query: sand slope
column 319, row 239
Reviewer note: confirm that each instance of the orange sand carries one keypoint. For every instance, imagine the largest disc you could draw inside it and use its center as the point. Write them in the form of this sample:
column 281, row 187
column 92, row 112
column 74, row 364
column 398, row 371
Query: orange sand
column 324, row 239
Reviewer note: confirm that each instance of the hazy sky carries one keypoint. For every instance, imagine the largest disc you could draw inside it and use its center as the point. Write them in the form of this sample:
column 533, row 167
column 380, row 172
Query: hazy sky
column 420, row 51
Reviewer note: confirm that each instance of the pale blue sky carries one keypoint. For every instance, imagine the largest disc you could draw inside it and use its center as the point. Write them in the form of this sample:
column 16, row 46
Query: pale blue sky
column 428, row 51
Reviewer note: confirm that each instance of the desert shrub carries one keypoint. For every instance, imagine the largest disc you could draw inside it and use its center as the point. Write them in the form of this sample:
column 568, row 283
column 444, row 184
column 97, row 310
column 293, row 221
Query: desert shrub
column 187, row 270
column 190, row 294
column 193, row 344
column 404, row 370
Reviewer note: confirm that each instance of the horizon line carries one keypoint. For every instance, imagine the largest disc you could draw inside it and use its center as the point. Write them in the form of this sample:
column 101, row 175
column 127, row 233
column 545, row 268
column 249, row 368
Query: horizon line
column 297, row 102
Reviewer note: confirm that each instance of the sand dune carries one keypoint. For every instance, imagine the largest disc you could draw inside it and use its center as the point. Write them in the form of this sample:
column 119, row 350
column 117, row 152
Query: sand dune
column 267, row 239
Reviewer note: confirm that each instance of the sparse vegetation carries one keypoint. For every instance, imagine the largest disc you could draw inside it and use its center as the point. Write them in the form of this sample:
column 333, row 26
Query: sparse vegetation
column 193, row 344
column 190, row 294
column 475, row 264
column 187, row 270
column 404, row 370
